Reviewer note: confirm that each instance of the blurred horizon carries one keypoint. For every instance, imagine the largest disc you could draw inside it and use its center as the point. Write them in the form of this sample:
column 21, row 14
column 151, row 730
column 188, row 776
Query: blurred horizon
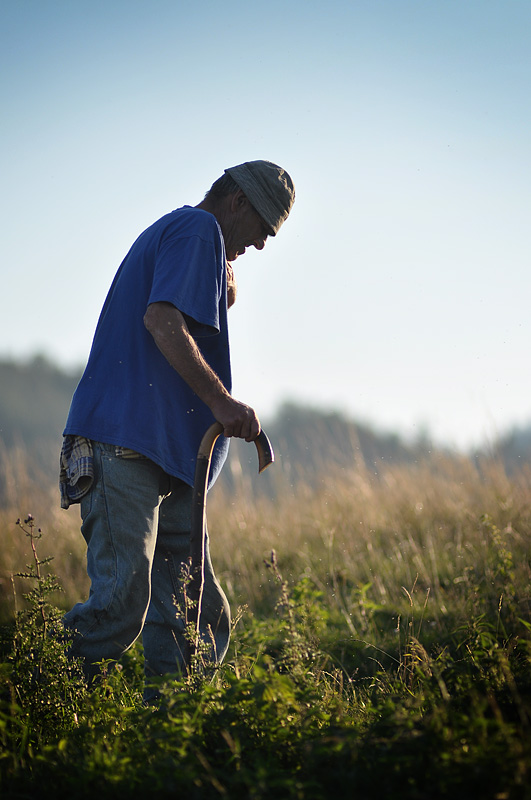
column 42, row 384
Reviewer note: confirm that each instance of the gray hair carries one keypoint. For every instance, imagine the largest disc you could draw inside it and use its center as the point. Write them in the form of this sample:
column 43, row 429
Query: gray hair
column 222, row 187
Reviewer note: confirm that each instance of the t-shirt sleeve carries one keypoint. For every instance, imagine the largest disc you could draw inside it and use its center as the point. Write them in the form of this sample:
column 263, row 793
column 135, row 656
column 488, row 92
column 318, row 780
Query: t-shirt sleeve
column 189, row 274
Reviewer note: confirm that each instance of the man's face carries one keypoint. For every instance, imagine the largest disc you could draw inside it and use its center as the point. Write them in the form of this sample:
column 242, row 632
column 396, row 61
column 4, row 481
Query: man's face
column 243, row 228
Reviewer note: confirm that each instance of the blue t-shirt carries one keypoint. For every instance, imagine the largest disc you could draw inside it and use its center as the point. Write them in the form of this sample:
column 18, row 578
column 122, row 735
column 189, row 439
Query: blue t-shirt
column 129, row 395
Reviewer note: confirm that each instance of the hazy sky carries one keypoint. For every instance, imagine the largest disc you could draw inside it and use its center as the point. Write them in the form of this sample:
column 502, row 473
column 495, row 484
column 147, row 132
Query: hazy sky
column 399, row 289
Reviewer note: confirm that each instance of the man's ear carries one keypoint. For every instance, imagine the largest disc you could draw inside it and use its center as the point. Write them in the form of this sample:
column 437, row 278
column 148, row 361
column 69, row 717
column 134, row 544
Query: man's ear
column 238, row 201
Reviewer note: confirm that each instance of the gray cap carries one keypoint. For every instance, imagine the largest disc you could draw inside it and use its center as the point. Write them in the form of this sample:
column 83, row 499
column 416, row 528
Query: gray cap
column 268, row 188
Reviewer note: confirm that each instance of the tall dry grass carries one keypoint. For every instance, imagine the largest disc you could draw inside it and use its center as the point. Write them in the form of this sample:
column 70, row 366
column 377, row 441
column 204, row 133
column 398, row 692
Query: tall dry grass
column 426, row 530
column 27, row 489
column 412, row 534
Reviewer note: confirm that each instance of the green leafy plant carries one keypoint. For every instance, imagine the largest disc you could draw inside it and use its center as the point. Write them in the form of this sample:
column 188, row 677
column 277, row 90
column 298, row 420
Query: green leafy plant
column 43, row 684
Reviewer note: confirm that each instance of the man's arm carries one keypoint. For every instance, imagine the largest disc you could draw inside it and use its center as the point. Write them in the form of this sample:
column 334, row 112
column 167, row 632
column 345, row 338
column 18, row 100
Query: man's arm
column 169, row 330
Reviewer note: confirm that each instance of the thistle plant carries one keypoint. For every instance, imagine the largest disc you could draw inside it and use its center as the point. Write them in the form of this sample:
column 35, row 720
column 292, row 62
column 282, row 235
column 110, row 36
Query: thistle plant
column 44, row 685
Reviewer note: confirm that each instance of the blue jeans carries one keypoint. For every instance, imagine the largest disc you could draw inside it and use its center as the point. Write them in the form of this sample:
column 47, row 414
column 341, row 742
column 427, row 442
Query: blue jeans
column 136, row 523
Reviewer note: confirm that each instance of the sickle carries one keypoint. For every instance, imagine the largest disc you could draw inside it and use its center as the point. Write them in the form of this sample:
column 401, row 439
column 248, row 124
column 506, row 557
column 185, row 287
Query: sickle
column 198, row 525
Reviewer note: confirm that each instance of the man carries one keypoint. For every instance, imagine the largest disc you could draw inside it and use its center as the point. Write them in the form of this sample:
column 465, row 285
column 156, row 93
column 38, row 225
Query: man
column 157, row 377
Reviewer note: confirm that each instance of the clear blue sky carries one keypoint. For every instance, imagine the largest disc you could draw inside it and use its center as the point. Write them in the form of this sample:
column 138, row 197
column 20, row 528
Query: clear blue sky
column 399, row 289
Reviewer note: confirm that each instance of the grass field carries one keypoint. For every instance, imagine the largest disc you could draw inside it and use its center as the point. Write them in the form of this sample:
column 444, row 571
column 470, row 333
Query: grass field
column 382, row 648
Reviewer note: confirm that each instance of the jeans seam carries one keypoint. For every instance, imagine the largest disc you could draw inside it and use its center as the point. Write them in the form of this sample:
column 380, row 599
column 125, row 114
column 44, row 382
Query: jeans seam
column 101, row 456
column 109, row 530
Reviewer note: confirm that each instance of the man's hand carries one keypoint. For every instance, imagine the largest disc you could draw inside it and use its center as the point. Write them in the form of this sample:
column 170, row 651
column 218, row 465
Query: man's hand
column 237, row 419
column 170, row 332
column 232, row 288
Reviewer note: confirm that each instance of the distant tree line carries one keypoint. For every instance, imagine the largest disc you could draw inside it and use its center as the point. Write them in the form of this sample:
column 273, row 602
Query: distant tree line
column 309, row 442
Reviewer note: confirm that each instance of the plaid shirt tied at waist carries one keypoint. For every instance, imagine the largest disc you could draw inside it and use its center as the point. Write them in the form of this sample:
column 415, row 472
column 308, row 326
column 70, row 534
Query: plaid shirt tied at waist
column 76, row 472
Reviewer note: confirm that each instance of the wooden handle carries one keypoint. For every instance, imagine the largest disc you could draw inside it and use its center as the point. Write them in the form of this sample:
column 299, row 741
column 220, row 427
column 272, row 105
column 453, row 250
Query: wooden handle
column 266, row 455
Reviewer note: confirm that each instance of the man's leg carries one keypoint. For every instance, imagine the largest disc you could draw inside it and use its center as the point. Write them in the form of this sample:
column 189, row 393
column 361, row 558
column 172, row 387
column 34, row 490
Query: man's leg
column 163, row 634
column 120, row 518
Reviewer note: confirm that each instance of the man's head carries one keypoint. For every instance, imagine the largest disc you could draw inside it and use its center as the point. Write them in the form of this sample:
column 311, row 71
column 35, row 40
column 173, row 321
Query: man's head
column 269, row 189
column 250, row 201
